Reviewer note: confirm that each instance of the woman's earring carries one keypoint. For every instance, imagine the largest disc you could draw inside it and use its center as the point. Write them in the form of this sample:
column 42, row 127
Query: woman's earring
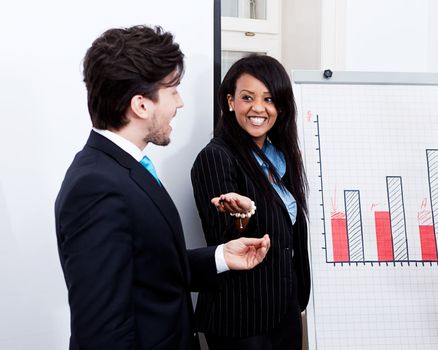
column 231, row 109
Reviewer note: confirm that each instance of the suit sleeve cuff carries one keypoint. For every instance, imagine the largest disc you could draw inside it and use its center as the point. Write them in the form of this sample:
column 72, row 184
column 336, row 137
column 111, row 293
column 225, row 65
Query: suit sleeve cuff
column 221, row 265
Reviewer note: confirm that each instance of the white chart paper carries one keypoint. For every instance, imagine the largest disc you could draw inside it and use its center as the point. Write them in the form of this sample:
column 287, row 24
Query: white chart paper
column 371, row 155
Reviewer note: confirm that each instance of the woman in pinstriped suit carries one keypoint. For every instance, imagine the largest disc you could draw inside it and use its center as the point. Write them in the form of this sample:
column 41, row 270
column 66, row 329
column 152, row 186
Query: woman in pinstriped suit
column 255, row 153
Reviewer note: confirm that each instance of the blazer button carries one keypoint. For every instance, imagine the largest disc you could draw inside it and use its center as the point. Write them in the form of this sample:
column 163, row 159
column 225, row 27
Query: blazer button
column 289, row 251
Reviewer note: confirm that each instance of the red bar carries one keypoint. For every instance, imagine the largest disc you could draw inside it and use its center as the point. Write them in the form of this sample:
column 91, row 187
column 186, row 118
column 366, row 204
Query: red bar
column 383, row 232
column 428, row 243
column 339, row 237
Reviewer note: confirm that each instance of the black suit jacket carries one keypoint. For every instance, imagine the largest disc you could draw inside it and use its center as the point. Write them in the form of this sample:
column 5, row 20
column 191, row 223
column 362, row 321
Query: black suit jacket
column 249, row 302
column 123, row 255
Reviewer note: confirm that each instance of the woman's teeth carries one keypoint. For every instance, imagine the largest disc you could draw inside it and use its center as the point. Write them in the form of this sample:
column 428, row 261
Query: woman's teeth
column 257, row 121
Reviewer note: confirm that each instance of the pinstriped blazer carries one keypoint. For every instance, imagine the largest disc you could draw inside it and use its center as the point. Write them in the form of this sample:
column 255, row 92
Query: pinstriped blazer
column 248, row 302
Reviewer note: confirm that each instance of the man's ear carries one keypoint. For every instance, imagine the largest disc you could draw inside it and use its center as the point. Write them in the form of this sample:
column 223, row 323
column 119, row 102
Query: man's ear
column 141, row 106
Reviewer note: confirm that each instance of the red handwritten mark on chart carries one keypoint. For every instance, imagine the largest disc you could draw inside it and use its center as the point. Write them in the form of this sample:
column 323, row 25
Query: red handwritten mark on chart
column 374, row 205
column 309, row 116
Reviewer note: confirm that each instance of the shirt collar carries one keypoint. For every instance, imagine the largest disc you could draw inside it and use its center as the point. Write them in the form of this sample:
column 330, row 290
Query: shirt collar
column 275, row 156
column 123, row 143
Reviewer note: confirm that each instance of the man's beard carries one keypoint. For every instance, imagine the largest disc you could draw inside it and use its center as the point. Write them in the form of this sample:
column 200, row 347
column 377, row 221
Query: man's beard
column 156, row 135
column 158, row 139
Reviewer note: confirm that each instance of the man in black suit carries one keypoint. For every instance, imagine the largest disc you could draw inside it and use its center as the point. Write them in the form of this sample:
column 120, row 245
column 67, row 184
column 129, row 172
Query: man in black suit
column 120, row 238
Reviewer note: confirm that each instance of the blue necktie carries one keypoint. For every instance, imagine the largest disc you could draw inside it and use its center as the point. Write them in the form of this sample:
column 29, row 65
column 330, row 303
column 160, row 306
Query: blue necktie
column 146, row 162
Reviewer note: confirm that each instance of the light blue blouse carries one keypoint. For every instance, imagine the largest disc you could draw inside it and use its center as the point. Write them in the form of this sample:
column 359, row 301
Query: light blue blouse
column 278, row 161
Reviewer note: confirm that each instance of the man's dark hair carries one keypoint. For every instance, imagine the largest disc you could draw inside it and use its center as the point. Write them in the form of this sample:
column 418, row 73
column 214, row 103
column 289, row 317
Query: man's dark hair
column 126, row 62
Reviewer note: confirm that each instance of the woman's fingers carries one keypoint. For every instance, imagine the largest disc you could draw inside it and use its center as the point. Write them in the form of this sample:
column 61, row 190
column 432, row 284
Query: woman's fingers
column 232, row 203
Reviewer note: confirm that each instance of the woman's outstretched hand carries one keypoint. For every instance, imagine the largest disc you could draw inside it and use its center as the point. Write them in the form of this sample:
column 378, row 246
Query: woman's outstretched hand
column 232, row 203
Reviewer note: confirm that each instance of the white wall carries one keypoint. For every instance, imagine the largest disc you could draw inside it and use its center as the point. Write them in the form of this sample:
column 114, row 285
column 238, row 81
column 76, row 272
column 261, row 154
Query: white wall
column 360, row 35
column 433, row 36
column 45, row 122
column 301, row 34
column 380, row 35
column 388, row 35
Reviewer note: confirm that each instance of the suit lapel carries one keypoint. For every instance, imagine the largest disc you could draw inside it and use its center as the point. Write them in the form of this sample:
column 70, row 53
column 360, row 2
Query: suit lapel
column 146, row 182
column 159, row 196
column 164, row 202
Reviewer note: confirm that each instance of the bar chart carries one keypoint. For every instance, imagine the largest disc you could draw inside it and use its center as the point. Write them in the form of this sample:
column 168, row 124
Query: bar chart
column 389, row 225
column 371, row 158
